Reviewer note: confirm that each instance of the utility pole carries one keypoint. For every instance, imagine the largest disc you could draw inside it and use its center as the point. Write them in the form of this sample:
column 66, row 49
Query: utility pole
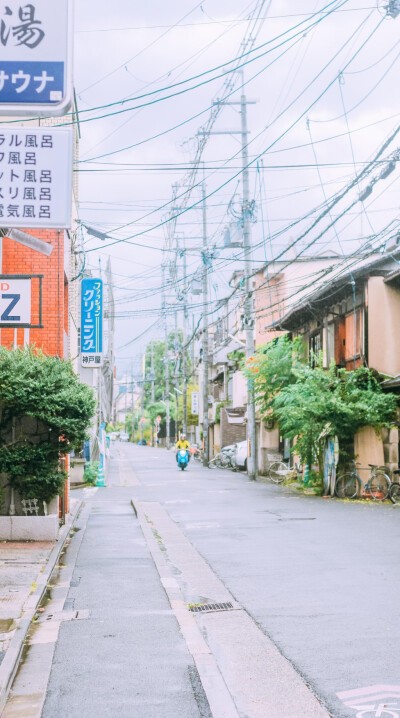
column 177, row 345
column 248, row 301
column 205, row 331
column 152, row 372
column 184, row 352
column 142, row 408
column 133, row 405
column 166, row 360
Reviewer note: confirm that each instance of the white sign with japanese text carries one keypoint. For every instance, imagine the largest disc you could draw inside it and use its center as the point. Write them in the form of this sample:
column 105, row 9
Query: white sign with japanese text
column 15, row 302
column 35, row 177
column 195, row 403
column 35, row 57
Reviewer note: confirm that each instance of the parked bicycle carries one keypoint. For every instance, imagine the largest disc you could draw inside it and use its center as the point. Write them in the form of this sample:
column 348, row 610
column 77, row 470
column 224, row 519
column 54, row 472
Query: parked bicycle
column 351, row 485
column 278, row 471
column 394, row 491
column 225, row 459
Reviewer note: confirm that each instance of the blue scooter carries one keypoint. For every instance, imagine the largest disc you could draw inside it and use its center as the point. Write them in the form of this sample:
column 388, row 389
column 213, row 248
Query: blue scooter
column 183, row 459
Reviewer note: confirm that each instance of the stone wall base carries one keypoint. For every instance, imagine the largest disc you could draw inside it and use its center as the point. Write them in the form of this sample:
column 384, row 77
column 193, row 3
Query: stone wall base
column 29, row 528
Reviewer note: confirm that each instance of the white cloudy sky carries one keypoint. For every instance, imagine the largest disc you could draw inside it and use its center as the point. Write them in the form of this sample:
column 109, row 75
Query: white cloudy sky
column 124, row 49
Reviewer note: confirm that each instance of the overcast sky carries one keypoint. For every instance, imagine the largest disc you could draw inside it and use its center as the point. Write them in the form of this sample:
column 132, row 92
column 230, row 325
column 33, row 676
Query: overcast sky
column 125, row 49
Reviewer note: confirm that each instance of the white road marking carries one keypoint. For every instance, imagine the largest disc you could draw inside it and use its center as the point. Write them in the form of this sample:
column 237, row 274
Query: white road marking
column 373, row 698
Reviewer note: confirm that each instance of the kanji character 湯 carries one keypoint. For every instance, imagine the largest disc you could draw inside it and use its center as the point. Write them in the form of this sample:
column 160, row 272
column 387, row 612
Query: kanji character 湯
column 28, row 33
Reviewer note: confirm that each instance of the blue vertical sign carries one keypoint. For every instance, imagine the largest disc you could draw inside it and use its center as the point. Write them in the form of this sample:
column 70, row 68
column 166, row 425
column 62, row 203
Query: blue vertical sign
column 92, row 323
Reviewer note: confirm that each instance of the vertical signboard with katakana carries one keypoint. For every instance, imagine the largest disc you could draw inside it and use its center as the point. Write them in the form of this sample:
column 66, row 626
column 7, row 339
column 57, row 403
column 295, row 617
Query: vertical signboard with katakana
column 35, row 57
column 92, row 323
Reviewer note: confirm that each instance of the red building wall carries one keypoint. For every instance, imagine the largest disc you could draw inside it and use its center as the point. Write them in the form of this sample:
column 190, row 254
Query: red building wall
column 17, row 259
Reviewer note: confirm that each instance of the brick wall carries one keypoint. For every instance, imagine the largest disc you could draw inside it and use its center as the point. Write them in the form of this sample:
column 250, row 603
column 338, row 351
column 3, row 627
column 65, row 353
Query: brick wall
column 18, row 259
column 230, row 433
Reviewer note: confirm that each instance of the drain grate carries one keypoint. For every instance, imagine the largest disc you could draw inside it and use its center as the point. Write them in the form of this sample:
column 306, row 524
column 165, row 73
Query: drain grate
column 210, row 607
column 63, row 616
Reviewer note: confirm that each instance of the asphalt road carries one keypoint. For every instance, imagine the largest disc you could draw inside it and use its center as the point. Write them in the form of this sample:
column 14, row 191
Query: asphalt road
column 320, row 578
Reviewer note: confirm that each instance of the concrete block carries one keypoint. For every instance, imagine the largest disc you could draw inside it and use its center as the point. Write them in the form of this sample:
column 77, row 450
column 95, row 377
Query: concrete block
column 394, row 436
column 386, row 453
column 393, row 454
column 77, row 471
column 5, row 528
column 385, row 435
column 29, row 528
column 53, row 506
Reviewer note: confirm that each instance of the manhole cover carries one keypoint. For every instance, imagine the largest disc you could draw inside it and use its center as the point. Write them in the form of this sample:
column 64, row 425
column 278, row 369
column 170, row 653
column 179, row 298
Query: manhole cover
column 210, row 607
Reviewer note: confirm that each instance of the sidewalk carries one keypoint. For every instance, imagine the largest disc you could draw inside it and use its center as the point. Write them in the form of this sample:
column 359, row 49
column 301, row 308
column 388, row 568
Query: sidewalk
column 25, row 569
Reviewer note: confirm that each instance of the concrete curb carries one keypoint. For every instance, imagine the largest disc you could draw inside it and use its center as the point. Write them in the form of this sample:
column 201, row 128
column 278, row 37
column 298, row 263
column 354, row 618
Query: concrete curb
column 220, row 700
column 10, row 663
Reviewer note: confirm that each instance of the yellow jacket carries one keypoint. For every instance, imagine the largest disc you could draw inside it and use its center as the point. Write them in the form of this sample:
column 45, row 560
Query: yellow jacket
column 182, row 445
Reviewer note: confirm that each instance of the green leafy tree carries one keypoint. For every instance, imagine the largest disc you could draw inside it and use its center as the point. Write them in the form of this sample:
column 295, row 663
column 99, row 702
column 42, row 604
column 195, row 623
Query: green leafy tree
column 175, row 355
column 310, row 403
column 44, row 412
column 274, row 366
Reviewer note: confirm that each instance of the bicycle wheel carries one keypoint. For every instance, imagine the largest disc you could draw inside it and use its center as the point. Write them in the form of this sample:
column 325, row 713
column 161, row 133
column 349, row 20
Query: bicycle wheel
column 394, row 493
column 277, row 472
column 347, row 486
column 224, row 461
column 232, row 463
column 379, row 485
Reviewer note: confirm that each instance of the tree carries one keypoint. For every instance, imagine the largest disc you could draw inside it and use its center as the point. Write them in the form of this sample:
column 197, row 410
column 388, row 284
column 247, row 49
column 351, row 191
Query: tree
column 44, row 412
column 274, row 366
column 175, row 351
column 310, row 403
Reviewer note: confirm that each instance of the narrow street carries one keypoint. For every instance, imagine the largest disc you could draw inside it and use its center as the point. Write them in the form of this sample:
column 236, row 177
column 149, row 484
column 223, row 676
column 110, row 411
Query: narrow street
column 304, row 576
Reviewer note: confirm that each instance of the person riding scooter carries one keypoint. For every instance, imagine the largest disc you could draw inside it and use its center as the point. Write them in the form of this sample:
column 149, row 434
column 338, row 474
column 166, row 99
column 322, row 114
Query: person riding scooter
column 182, row 445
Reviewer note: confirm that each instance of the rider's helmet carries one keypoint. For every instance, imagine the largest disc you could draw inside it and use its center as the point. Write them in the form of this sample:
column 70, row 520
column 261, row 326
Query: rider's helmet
column 183, row 437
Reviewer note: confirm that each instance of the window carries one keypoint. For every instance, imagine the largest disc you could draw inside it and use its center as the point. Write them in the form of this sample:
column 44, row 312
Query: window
column 314, row 347
column 354, row 345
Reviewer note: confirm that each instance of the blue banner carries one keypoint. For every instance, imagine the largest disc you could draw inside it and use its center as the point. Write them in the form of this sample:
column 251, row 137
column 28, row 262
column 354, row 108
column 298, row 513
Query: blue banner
column 26, row 82
column 92, row 322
